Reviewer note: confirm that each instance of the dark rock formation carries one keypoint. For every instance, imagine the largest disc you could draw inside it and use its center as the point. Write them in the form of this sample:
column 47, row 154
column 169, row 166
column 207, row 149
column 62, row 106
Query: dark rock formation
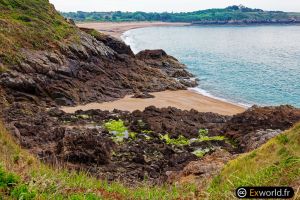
column 80, row 141
column 94, row 69
column 169, row 65
column 256, row 119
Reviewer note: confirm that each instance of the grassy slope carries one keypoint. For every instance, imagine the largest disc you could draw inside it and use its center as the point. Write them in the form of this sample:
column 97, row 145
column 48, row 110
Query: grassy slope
column 31, row 24
column 38, row 181
column 277, row 163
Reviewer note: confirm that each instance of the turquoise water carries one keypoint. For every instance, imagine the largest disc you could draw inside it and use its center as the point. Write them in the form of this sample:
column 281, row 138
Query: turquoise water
column 242, row 64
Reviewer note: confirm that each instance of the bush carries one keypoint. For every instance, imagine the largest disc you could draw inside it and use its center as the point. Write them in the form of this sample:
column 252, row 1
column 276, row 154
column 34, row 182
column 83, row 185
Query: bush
column 22, row 192
column 7, row 180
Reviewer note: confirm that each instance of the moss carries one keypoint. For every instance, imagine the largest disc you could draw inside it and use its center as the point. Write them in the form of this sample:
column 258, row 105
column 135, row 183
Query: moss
column 183, row 141
column 115, row 125
column 132, row 135
column 119, row 131
column 180, row 141
column 203, row 136
column 201, row 152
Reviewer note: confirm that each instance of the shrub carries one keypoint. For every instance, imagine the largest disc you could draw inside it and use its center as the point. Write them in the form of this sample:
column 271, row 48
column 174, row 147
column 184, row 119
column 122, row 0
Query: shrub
column 23, row 192
column 7, row 180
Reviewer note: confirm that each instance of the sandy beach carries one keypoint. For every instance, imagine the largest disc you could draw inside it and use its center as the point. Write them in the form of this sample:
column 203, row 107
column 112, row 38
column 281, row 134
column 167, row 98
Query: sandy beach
column 185, row 100
column 182, row 99
column 117, row 29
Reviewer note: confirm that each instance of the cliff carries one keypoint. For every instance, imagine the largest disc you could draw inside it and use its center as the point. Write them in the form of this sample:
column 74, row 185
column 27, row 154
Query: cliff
column 45, row 59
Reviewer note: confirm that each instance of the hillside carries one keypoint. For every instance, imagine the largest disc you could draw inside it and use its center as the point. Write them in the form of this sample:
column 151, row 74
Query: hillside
column 275, row 163
column 229, row 15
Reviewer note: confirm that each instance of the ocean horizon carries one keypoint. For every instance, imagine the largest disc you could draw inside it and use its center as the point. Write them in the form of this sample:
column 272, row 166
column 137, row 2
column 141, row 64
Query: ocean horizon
column 245, row 65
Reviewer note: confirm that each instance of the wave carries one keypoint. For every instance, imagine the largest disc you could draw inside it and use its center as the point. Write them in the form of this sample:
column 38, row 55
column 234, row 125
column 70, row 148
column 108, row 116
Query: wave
column 129, row 40
column 207, row 94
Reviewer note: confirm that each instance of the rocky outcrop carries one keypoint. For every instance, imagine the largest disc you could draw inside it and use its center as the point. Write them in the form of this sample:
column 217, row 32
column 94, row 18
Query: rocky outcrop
column 257, row 121
column 176, row 122
column 201, row 171
column 117, row 45
column 94, row 69
column 81, row 141
column 169, row 65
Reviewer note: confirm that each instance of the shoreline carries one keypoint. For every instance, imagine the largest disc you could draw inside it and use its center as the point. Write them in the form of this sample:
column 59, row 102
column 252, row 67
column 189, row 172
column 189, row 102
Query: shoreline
column 181, row 99
column 117, row 29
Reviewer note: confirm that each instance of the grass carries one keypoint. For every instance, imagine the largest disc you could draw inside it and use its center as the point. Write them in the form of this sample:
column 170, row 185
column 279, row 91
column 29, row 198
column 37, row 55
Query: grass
column 276, row 163
column 3, row 69
column 31, row 24
column 22, row 175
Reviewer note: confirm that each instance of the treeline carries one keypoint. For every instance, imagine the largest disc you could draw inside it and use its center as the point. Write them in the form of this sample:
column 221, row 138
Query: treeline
column 227, row 14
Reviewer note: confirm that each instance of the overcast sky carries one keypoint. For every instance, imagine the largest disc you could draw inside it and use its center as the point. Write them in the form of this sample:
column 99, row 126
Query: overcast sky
column 170, row 5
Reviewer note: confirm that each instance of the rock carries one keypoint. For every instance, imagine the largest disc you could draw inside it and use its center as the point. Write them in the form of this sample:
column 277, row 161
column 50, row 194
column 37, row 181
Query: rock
column 80, row 140
column 85, row 147
column 201, row 171
column 119, row 46
column 97, row 69
column 168, row 65
column 257, row 138
column 152, row 54
column 257, row 120
column 143, row 95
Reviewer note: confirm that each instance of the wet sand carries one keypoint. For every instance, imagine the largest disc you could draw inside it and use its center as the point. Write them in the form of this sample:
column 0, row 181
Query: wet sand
column 182, row 99
column 116, row 29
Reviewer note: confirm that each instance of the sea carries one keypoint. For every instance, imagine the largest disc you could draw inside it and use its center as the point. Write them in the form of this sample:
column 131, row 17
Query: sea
column 246, row 65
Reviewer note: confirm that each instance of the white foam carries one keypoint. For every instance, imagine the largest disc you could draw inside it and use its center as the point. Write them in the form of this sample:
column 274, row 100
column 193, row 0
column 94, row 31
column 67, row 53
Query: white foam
column 207, row 94
column 129, row 41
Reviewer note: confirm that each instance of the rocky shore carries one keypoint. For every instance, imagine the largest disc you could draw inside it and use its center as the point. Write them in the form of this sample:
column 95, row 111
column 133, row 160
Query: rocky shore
column 156, row 145
column 134, row 147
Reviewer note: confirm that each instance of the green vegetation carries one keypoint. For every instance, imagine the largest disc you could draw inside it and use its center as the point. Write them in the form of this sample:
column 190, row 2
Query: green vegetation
column 115, row 125
column 3, row 68
column 275, row 163
column 201, row 152
column 180, row 141
column 30, row 179
column 226, row 14
column 119, row 131
column 203, row 136
column 183, row 141
column 31, row 24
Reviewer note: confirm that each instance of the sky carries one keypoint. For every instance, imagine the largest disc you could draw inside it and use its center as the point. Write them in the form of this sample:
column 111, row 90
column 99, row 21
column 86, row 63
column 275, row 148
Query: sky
column 171, row 5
